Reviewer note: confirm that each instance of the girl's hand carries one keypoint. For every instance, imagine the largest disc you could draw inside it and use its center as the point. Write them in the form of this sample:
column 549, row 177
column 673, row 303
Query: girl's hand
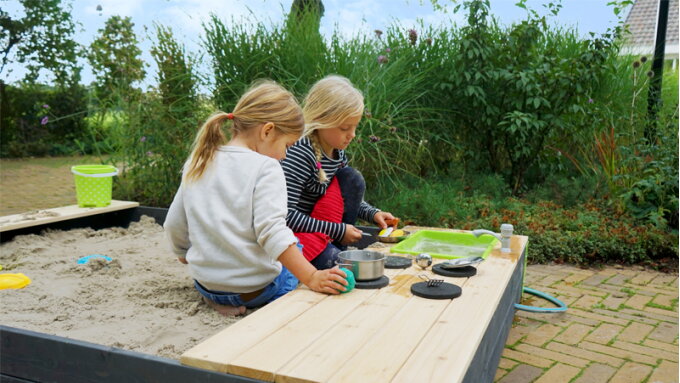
column 381, row 217
column 352, row 235
column 330, row 281
column 182, row 260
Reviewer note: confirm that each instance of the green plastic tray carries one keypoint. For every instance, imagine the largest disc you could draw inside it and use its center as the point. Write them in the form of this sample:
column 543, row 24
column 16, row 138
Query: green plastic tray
column 442, row 244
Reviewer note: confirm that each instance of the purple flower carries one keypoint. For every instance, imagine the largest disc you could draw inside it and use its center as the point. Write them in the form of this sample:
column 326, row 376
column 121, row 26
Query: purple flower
column 388, row 50
column 44, row 120
column 378, row 33
column 46, row 106
column 143, row 139
column 368, row 113
column 373, row 138
column 413, row 36
column 590, row 101
column 643, row 59
column 382, row 59
column 149, row 153
column 428, row 41
column 393, row 129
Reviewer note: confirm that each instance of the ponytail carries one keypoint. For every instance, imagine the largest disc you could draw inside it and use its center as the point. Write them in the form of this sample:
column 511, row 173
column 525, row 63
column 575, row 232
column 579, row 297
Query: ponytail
column 210, row 137
column 265, row 101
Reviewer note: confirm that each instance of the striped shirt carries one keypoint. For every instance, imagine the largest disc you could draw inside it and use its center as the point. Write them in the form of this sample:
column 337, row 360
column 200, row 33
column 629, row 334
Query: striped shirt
column 305, row 189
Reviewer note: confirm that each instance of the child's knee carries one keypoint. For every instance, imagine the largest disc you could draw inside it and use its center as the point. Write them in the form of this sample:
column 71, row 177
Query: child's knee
column 350, row 179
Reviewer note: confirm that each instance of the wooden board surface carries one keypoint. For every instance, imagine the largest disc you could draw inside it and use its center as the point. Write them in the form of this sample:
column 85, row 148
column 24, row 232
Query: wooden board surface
column 45, row 216
column 367, row 335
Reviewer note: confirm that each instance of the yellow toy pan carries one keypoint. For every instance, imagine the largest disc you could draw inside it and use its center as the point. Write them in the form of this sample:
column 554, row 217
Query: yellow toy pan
column 14, row 281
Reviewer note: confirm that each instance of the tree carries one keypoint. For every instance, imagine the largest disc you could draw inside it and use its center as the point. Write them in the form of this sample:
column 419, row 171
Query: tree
column 115, row 57
column 42, row 39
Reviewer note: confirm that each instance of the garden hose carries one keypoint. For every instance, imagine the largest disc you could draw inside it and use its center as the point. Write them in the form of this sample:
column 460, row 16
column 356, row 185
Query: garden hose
column 561, row 307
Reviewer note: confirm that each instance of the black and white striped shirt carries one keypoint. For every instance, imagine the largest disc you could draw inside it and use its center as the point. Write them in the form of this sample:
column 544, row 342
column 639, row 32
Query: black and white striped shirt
column 305, row 189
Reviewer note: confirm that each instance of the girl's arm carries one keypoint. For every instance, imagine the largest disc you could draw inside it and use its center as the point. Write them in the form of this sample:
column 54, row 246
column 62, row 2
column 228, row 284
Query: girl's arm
column 176, row 228
column 330, row 281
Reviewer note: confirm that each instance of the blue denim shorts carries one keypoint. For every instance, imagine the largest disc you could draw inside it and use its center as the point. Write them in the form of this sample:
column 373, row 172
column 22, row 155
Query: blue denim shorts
column 284, row 283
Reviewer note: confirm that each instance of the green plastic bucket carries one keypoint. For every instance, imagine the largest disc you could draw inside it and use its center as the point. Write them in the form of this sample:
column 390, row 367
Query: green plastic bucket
column 94, row 184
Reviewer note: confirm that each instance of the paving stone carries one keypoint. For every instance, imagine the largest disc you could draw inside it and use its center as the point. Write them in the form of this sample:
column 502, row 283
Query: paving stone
column 552, row 279
column 516, row 333
column 618, row 353
column 631, row 373
column 663, row 279
column 661, row 345
column 598, row 317
column 522, row 357
column 653, row 290
column 562, row 289
column 656, row 353
column 643, row 278
column 672, row 318
column 595, row 279
column 665, row 300
column 499, row 374
column 552, row 355
column 667, row 372
column 576, row 277
column 567, row 319
column 559, row 373
column 506, row 363
column 668, row 313
column 574, row 334
column 638, row 301
column 664, row 332
column 596, row 373
column 587, row 302
column 581, row 353
column 618, row 279
column 631, row 315
column 522, row 374
column 604, row 333
column 635, row 332
column 542, row 335
column 612, row 302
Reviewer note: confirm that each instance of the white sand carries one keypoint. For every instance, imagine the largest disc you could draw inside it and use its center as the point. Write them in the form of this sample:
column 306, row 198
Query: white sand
column 143, row 300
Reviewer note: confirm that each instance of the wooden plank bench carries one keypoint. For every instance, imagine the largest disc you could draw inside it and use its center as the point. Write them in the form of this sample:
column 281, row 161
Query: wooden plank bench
column 64, row 213
column 384, row 335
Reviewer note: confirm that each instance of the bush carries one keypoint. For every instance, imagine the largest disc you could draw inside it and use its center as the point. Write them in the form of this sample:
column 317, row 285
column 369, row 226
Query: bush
column 39, row 120
column 591, row 233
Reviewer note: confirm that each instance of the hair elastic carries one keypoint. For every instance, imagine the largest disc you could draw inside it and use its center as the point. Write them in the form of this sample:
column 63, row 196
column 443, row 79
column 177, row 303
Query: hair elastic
column 230, row 116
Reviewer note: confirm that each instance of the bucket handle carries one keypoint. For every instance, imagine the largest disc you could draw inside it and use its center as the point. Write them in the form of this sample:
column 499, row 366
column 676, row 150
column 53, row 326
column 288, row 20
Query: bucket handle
column 98, row 175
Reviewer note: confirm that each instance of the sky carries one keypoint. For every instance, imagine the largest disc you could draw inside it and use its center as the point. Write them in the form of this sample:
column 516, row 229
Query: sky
column 350, row 17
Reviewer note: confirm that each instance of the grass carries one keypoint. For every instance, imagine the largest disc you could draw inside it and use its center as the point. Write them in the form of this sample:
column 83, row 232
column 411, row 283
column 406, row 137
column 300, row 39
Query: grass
column 48, row 162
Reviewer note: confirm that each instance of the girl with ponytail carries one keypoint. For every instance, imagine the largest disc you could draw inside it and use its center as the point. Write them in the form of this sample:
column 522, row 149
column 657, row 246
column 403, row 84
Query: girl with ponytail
column 228, row 218
column 325, row 196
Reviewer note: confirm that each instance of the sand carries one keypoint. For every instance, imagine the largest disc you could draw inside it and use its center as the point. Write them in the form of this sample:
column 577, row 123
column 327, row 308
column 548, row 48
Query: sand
column 142, row 300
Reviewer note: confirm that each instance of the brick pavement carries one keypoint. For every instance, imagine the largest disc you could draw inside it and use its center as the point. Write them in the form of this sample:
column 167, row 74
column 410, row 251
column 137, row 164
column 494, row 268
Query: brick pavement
column 621, row 327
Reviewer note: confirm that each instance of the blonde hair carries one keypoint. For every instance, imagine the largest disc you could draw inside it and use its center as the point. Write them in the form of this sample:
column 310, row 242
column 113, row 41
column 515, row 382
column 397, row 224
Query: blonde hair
column 329, row 103
column 265, row 101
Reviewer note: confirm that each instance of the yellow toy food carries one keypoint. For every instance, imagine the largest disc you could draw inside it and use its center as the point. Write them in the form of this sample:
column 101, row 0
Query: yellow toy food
column 397, row 233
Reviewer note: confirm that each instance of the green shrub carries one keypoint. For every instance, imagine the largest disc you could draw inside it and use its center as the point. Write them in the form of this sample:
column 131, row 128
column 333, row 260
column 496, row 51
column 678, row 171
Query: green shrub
column 590, row 233
column 39, row 120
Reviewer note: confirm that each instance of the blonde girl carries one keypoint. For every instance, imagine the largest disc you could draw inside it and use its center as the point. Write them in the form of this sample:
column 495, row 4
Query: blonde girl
column 227, row 220
column 314, row 164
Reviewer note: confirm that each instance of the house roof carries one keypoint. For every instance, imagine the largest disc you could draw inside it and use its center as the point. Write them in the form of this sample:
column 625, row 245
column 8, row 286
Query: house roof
column 641, row 22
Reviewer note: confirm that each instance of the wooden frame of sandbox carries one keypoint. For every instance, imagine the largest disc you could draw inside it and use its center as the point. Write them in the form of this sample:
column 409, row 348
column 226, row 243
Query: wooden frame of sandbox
column 28, row 356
